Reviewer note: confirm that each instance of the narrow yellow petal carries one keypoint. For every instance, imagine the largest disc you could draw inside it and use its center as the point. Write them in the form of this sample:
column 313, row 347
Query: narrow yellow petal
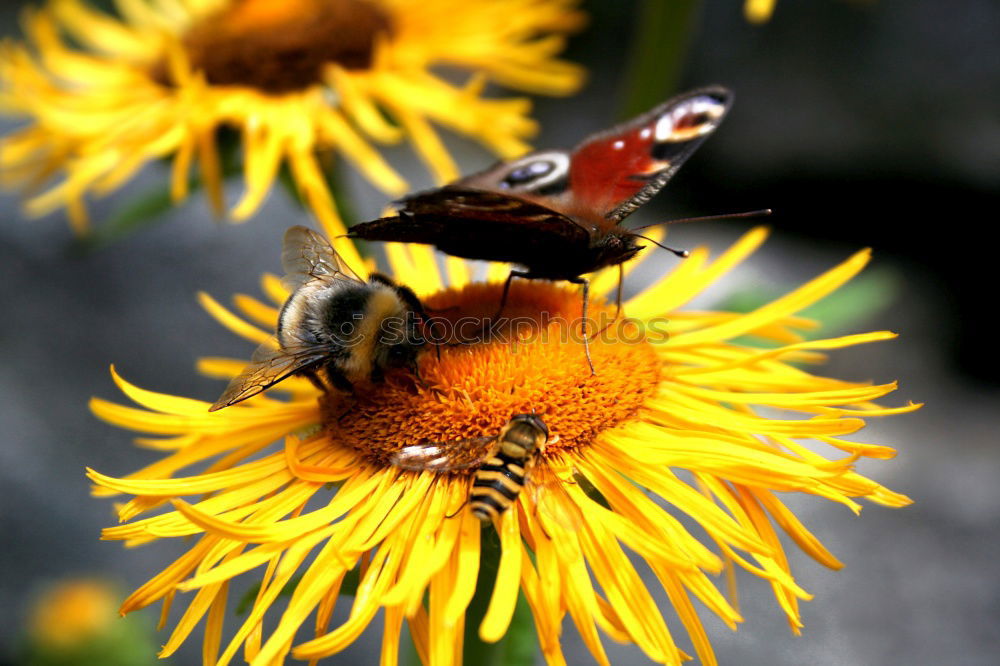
column 466, row 569
column 805, row 295
column 457, row 271
column 501, row 607
column 231, row 321
column 427, row 143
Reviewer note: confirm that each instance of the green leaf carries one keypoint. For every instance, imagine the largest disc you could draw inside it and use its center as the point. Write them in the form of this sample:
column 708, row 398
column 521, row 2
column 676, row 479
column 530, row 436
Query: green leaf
column 518, row 646
column 856, row 302
column 129, row 641
column 287, row 182
column 348, row 588
column 250, row 596
column 141, row 212
column 148, row 208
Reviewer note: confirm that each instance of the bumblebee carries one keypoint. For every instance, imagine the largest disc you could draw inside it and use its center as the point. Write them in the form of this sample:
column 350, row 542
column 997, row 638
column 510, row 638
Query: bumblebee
column 335, row 329
column 505, row 462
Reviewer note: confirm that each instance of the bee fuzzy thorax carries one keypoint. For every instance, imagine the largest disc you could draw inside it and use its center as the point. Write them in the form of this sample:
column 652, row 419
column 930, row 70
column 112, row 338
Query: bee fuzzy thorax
column 334, row 326
column 383, row 314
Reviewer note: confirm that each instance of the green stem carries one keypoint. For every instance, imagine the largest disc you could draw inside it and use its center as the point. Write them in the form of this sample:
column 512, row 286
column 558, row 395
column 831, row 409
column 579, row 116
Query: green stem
column 517, row 647
column 664, row 30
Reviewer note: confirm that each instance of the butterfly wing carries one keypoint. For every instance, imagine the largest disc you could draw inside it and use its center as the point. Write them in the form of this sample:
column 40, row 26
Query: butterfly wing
column 553, row 504
column 550, row 210
column 269, row 365
column 307, row 256
column 450, row 456
column 479, row 224
column 617, row 170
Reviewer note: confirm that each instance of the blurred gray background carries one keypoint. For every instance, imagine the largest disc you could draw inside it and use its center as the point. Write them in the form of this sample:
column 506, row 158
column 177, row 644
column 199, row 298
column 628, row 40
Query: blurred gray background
column 860, row 123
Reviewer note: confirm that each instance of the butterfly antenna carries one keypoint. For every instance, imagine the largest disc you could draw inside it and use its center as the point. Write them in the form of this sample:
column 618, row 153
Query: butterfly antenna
column 683, row 254
column 763, row 212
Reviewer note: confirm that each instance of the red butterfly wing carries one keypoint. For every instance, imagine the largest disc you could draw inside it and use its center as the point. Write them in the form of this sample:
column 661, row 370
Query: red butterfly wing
column 616, row 171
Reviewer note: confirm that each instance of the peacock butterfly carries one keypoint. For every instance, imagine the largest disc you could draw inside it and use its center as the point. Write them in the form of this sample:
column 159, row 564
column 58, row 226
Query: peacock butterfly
column 558, row 213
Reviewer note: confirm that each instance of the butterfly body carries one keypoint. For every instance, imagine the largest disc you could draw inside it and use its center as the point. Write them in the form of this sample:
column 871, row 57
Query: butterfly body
column 553, row 250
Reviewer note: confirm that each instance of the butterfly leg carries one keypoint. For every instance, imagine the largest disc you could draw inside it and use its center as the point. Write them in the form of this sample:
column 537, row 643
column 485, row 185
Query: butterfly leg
column 618, row 299
column 495, row 320
column 586, row 339
column 506, row 290
column 618, row 292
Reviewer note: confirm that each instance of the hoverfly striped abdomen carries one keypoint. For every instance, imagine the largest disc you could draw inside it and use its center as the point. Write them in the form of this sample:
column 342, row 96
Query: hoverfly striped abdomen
column 502, row 476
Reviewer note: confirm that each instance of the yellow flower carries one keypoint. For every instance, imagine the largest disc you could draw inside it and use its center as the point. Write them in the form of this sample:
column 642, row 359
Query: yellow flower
column 297, row 79
column 683, row 418
column 758, row 11
column 72, row 613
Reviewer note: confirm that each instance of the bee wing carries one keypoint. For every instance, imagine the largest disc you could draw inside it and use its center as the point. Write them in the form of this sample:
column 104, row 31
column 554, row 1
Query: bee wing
column 445, row 456
column 307, row 256
column 551, row 499
column 269, row 365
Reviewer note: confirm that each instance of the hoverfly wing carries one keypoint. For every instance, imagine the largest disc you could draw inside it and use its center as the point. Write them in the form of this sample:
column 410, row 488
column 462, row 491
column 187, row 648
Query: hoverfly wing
column 478, row 224
column 552, row 501
column 307, row 256
column 450, row 456
column 617, row 170
column 268, row 366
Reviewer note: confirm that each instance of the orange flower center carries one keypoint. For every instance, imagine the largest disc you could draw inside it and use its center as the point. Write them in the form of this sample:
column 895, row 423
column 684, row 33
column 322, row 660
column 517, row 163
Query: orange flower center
column 279, row 47
column 532, row 362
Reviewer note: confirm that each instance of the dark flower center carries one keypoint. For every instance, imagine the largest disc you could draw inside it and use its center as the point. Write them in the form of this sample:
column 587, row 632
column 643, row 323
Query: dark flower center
column 279, row 46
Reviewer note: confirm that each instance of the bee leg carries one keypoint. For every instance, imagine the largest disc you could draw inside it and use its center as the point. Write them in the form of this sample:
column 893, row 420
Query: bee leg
column 540, row 525
column 458, row 510
column 586, row 340
column 316, row 381
column 340, row 382
column 350, row 408
column 415, row 369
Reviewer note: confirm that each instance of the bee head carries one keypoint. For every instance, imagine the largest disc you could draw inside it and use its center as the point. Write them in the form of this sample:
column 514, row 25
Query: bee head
column 403, row 354
column 397, row 344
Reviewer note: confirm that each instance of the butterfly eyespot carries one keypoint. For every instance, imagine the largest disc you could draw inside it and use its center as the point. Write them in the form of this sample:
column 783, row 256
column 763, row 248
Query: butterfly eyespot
column 528, row 173
column 693, row 120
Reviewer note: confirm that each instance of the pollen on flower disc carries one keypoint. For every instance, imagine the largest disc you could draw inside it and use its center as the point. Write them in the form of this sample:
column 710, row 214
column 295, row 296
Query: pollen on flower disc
column 535, row 362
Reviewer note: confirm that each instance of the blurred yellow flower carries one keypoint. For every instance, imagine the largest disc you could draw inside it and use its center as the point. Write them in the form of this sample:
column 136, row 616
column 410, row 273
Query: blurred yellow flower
column 682, row 418
column 758, row 11
column 71, row 613
column 297, row 79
